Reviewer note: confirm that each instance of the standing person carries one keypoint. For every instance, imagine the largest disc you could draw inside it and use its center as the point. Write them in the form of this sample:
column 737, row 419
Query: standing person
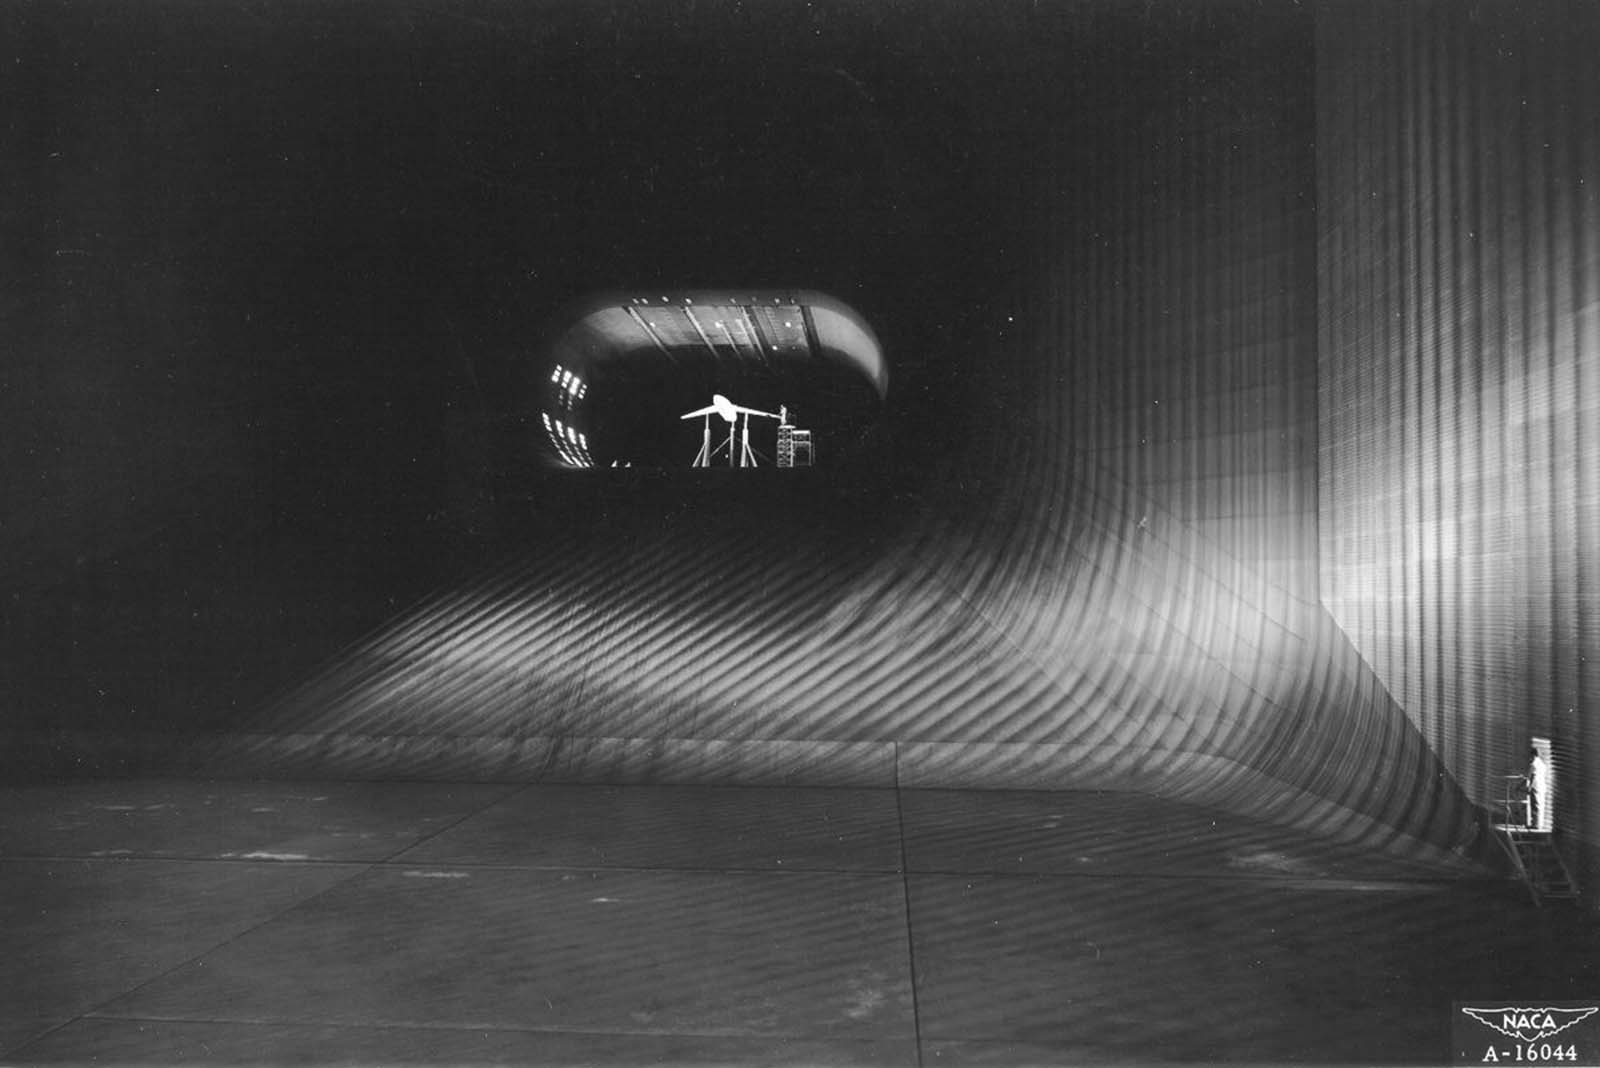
column 1538, row 791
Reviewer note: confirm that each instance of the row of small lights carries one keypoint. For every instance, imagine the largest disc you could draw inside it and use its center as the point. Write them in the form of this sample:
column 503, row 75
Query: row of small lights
column 570, row 386
column 571, row 443
column 690, row 300
column 788, row 324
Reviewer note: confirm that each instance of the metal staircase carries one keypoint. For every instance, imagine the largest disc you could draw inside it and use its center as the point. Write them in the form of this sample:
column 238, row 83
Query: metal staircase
column 1532, row 851
column 1539, row 865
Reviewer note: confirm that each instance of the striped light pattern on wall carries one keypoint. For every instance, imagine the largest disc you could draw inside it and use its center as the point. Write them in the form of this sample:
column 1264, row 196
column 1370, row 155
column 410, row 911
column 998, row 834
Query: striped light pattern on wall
column 687, row 640
column 1459, row 235
column 1115, row 590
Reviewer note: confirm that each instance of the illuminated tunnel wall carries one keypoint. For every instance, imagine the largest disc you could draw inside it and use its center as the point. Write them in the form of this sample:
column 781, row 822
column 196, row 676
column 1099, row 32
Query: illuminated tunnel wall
column 1127, row 262
column 1459, row 190
column 1114, row 587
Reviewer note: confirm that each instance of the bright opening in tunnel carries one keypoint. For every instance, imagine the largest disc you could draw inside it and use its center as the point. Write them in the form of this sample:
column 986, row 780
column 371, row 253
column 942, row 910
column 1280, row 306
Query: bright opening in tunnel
column 754, row 378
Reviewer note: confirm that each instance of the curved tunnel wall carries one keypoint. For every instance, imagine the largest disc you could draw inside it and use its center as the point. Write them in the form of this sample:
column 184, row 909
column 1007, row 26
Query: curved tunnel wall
column 1116, row 589
column 1156, row 527
column 1460, row 378
column 1106, row 576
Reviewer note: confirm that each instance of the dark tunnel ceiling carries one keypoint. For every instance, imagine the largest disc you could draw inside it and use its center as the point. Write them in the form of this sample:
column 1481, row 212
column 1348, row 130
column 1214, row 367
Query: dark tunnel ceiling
column 416, row 188
column 614, row 382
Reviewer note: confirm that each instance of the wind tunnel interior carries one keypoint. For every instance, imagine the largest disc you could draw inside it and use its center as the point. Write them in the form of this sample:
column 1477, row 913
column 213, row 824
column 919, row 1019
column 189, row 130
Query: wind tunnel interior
column 283, row 286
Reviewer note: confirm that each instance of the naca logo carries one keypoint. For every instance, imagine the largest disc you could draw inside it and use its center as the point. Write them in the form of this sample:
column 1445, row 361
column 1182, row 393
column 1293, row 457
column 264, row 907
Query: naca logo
column 1530, row 1024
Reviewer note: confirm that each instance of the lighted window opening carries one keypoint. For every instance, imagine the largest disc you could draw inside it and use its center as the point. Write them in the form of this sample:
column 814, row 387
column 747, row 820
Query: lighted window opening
column 1541, row 786
column 773, row 348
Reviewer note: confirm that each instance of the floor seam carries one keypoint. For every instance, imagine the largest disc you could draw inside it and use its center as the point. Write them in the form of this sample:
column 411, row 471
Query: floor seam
column 905, row 888
column 363, row 869
column 8, row 1055
column 1352, row 883
column 402, row 1025
column 452, row 825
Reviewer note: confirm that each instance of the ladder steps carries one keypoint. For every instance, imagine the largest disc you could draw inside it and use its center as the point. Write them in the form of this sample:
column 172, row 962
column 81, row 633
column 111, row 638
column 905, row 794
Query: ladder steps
column 1540, row 865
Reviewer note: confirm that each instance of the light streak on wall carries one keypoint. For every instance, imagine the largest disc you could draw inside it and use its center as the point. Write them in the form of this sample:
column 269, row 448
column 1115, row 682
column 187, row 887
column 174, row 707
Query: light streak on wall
column 701, row 648
column 570, row 443
column 1112, row 593
column 1459, row 171
column 1117, row 589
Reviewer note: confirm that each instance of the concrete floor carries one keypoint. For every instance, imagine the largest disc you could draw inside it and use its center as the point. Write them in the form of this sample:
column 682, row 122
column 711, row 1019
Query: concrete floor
column 164, row 921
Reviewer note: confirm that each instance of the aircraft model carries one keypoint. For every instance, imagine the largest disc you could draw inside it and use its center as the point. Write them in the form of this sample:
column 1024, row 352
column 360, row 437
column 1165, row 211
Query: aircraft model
column 738, row 419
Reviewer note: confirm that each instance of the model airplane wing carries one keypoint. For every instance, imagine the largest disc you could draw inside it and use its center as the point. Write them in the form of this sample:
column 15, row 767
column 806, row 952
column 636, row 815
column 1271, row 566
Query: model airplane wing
column 729, row 411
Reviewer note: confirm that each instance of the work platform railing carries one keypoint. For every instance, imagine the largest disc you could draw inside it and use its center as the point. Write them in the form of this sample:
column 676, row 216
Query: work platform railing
column 1530, row 847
